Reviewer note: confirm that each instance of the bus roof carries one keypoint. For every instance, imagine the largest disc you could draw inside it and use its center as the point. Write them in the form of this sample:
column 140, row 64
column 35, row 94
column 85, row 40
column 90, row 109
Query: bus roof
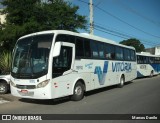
column 88, row 36
column 146, row 54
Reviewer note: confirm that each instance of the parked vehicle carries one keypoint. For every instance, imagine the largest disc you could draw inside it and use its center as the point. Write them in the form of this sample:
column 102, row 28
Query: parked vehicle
column 147, row 64
column 53, row 64
column 4, row 84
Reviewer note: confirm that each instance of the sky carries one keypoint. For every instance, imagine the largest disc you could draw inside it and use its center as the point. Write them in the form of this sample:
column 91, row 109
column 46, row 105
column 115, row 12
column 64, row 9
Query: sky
column 135, row 18
column 122, row 19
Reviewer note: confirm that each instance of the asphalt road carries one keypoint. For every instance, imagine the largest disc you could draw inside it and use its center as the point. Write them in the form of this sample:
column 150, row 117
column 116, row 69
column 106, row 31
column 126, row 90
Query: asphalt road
column 142, row 96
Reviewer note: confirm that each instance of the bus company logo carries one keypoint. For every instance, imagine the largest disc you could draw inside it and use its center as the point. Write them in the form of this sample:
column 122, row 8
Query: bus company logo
column 89, row 66
column 101, row 75
column 121, row 66
column 143, row 66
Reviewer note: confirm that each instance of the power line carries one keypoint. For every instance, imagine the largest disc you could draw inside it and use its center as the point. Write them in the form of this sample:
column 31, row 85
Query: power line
column 126, row 22
column 83, row 1
column 120, row 34
column 108, row 13
column 98, row 3
column 137, row 13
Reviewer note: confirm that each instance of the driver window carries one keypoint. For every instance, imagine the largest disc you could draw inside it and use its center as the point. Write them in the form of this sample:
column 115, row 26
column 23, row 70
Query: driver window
column 63, row 62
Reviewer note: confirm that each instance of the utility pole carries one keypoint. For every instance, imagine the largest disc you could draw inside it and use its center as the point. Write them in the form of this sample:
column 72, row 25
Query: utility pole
column 91, row 16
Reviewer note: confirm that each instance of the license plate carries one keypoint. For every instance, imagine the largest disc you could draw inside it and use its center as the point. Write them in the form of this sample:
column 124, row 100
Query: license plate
column 24, row 91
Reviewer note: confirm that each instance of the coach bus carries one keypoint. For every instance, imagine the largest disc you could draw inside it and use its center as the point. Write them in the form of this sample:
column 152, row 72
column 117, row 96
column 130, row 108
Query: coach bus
column 147, row 64
column 58, row 63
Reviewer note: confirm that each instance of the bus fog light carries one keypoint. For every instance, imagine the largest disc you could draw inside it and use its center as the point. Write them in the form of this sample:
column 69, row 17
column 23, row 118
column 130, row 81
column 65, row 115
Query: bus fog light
column 43, row 84
column 14, row 85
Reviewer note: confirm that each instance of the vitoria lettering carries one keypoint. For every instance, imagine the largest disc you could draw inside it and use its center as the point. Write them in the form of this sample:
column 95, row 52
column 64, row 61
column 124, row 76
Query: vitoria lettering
column 121, row 66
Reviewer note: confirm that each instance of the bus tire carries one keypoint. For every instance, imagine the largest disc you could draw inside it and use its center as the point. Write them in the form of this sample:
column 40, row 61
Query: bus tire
column 121, row 81
column 3, row 87
column 78, row 92
column 152, row 73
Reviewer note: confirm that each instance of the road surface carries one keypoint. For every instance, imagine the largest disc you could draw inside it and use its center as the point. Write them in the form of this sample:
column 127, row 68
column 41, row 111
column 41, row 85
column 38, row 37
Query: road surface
column 141, row 96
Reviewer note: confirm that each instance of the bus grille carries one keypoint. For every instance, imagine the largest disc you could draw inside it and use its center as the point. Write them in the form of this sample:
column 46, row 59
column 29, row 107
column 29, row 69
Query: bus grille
column 26, row 86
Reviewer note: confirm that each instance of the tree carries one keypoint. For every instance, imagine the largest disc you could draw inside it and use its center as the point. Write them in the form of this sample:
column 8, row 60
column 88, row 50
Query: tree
column 28, row 16
column 135, row 43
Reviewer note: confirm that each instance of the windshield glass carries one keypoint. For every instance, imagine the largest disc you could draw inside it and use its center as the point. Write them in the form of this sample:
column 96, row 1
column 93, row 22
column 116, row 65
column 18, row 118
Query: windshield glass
column 31, row 56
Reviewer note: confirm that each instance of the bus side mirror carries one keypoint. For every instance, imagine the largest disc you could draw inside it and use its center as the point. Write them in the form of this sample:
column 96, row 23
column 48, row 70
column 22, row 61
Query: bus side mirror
column 57, row 49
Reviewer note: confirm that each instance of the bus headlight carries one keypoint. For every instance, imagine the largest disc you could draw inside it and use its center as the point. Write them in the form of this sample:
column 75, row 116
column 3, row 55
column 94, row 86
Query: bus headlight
column 43, row 84
column 12, row 83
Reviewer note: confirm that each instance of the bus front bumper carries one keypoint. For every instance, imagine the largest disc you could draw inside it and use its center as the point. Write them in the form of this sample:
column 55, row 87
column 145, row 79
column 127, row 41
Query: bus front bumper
column 38, row 93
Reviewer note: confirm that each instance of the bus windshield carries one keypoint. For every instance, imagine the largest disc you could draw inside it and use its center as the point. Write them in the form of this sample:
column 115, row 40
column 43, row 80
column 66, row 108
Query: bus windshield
column 31, row 56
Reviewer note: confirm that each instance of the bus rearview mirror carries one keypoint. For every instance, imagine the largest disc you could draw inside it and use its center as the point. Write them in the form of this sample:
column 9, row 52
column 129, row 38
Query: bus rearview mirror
column 57, row 49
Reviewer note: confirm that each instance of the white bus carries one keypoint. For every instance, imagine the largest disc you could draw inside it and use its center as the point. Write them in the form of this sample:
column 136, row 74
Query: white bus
column 147, row 64
column 58, row 63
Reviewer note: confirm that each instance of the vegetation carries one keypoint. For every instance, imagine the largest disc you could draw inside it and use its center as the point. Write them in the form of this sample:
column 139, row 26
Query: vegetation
column 135, row 43
column 28, row 16
column 5, row 62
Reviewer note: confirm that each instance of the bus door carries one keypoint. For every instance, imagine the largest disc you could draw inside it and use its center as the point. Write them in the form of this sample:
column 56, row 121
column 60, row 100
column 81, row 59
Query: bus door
column 63, row 63
column 62, row 68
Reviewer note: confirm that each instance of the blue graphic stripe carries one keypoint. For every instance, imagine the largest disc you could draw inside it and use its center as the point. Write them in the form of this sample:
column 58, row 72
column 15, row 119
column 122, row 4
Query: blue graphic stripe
column 139, row 74
column 156, row 67
column 101, row 76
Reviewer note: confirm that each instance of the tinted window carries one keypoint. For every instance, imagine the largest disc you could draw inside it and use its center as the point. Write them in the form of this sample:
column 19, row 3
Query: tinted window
column 133, row 57
column 151, row 60
column 65, row 38
column 63, row 62
column 101, row 50
column 62, row 37
column 119, row 53
column 87, row 48
column 156, row 60
column 127, row 55
column 72, row 39
column 94, row 49
column 109, row 51
column 138, row 59
column 141, row 59
column 31, row 56
column 79, row 47
column 145, row 60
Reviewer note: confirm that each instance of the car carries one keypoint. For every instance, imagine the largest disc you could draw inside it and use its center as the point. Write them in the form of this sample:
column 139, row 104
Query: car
column 4, row 84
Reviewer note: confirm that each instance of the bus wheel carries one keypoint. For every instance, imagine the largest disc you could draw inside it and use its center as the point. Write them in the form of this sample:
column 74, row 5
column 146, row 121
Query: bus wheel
column 78, row 92
column 3, row 87
column 121, row 83
column 151, row 75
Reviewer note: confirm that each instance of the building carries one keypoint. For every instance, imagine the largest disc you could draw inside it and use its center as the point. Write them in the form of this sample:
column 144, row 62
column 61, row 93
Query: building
column 154, row 50
column 2, row 17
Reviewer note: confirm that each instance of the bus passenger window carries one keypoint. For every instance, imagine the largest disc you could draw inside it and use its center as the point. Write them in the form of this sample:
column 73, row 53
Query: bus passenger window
column 94, row 49
column 119, row 53
column 87, row 48
column 110, row 52
column 101, row 50
column 79, row 47
column 133, row 57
